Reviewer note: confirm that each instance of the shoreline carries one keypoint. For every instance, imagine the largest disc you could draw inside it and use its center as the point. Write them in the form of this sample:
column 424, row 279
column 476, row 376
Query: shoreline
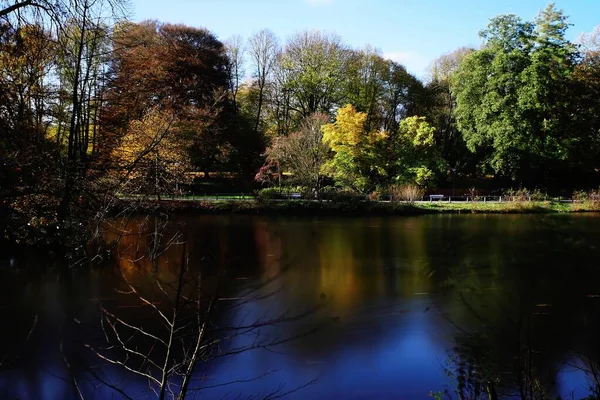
column 300, row 207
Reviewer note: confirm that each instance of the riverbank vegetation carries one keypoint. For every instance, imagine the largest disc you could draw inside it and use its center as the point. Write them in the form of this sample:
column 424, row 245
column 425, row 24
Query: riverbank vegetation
column 96, row 110
column 357, row 206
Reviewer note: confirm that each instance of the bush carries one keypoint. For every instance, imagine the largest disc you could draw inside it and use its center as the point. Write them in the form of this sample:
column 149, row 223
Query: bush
column 524, row 194
column 580, row 195
column 269, row 193
column 286, row 192
column 408, row 193
column 339, row 195
column 591, row 198
column 473, row 194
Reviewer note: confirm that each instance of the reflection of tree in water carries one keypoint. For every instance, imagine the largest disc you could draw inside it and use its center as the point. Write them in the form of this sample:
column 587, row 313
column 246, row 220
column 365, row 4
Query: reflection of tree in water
column 164, row 326
column 521, row 322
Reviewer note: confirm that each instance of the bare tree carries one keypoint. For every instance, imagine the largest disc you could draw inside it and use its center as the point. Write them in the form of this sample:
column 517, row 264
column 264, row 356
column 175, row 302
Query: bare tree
column 263, row 48
column 10, row 7
column 235, row 50
column 590, row 42
column 302, row 152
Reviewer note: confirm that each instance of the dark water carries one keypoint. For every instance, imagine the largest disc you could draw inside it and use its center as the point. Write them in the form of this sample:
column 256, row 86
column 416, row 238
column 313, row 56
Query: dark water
column 387, row 308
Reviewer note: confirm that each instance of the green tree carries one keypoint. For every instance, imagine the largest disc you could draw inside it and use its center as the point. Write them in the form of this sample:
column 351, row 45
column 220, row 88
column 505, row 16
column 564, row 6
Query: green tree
column 512, row 96
column 440, row 111
column 313, row 68
column 418, row 159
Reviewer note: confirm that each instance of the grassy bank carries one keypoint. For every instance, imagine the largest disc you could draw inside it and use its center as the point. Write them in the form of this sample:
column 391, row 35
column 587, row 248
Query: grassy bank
column 300, row 207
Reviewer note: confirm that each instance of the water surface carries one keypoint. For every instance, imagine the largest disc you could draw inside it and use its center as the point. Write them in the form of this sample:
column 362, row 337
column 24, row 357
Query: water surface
column 401, row 306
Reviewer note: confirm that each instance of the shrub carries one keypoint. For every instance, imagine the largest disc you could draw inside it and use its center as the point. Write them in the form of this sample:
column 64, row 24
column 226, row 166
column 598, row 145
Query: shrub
column 286, row 192
column 580, row 195
column 409, row 192
column 591, row 198
column 538, row 195
column 473, row 194
column 269, row 193
column 339, row 195
column 524, row 194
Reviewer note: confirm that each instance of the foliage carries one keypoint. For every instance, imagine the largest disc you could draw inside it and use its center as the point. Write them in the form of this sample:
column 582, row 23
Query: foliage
column 524, row 194
column 286, row 192
column 178, row 70
column 363, row 160
column 312, row 67
column 511, row 96
column 153, row 156
column 352, row 162
column 409, row 193
column 440, row 106
column 302, row 152
column 93, row 107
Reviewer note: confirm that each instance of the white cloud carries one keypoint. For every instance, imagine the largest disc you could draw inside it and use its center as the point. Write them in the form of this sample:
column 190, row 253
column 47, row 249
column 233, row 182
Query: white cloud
column 414, row 62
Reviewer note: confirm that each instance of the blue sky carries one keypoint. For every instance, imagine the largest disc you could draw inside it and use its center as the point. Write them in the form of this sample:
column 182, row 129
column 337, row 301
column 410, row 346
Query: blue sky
column 413, row 32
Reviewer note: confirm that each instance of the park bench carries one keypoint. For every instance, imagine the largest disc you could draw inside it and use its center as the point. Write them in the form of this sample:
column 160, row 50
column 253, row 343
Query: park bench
column 436, row 197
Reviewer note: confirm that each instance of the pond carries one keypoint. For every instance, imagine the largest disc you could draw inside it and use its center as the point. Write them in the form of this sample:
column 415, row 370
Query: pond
column 352, row 308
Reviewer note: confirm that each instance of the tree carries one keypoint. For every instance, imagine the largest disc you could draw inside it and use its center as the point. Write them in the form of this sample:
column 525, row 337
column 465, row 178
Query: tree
column 586, row 101
column 364, row 160
column 8, row 7
column 235, row 50
column 263, row 48
column 151, row 159
column 352, row 164
column 511, row 96
column 417, row 157
column 61, row 77
column 440, row 110
column 366, row 85
column 172, row 68
column 29, row 159
column 302, row 152
column 314, row 69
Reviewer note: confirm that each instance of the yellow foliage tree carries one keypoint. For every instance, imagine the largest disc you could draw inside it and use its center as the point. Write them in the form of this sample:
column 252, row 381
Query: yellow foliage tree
column 353, row 163
column 152, row 156
column 365, row 160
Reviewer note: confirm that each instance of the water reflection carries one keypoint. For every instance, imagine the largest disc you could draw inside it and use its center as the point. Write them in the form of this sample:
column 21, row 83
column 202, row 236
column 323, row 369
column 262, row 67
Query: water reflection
column 480, row 307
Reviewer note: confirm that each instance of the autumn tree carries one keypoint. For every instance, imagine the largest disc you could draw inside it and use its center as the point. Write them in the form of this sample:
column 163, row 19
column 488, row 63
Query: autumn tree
column 353, row 162
column 29, row 160
column 149, row 157
column 52, row 58
column 365, row 160
column 175, row 69
column 302, row 152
